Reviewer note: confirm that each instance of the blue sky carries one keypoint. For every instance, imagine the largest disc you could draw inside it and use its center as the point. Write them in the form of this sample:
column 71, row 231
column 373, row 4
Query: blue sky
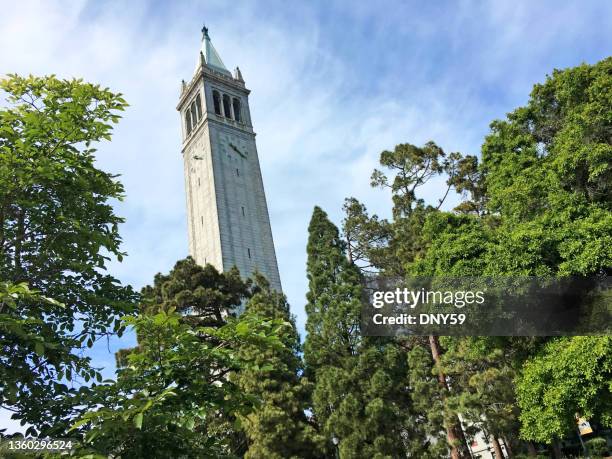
column 333, row 84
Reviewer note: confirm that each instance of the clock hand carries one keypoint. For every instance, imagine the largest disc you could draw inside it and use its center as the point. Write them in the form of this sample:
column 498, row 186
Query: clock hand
column 237, row 151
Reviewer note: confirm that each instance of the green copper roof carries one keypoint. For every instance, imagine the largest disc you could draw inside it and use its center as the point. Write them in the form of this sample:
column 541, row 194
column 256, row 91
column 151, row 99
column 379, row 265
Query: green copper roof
column 211, row 56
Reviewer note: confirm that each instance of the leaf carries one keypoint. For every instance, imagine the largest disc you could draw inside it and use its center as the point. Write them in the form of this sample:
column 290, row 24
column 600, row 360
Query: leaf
column 39, row 348
column 138, row 420
column 242, row 328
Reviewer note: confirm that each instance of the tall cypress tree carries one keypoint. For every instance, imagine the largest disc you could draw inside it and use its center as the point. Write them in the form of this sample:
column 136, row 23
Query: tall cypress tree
column 334, row 297
column 359, row 399
column 279, row 428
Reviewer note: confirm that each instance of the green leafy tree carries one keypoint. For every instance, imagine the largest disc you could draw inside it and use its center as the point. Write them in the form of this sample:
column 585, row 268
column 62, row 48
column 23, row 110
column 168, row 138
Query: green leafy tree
column 547, row 172
column 204, row 297
column 367, row 237
column 334, row 297
column 181, row 391
column 278, row 428
column 429, row 405
column 480, row 368
column 569, row 376
column 168, row 396
column 57, row 231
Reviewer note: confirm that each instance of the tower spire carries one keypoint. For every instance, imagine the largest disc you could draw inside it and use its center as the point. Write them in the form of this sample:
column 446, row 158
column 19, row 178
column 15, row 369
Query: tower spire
column 211, row 57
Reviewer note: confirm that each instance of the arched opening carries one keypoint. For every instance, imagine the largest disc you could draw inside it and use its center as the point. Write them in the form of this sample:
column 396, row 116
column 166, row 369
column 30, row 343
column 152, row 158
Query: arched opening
column 236, row 103
column 227, row 106
column 194, row 114
column 199, row 106
column 188, row 121
column 217, row 102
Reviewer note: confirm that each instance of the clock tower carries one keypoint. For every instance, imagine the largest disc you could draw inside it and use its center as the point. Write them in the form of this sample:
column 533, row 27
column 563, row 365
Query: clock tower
column 228, row 221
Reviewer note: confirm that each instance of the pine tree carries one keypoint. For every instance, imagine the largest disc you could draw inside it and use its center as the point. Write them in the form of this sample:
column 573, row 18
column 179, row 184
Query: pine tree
column 279, row 428
column 413, row 167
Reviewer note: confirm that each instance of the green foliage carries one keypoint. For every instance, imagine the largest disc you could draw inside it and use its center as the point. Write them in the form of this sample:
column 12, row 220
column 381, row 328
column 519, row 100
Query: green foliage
column 334, row 297
column 367, row 237
column 598, row 447
column 548, row 172
column 173, row 388
column 568, row 376
column 57, row 231
column 480, row 368
column 202, row 294
column 201, row 382
column 360, row 396
column 279, row 427
column 205, row 298
column 429, row 406
column 538, row 204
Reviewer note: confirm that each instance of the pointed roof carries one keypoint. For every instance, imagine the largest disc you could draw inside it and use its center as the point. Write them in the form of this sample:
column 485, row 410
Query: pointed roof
column 211, row 57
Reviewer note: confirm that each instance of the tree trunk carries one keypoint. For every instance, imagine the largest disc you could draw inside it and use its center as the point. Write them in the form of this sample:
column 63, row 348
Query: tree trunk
column 556, row 449
column 497, row 448
column 349, row 250
column 454, row 432
column 18, row 246
column 531, row 449
column 509, row 452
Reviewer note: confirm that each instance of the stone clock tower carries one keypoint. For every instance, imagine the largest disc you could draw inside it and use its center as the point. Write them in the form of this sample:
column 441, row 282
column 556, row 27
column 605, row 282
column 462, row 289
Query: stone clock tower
column 227, row 212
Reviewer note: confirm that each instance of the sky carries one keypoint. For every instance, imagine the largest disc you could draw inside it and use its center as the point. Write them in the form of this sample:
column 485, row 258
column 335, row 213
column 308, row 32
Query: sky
column 333, row 84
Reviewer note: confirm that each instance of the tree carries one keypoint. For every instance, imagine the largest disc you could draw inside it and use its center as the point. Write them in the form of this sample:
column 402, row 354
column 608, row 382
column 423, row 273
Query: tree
column 570, row 376
column 413, row 167
column 169, row 395
column 204, row 297
column 429, row 404
column 279, row 427
column 191, row 380
column 480, row 368
column 366, row 237
column 57, row 231
column 360, row 397
column 548, row 173
column 334, row 297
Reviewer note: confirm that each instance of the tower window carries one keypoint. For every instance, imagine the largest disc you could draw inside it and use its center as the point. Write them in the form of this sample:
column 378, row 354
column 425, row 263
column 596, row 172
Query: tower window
column 199, row 106
column 188, row 121
column 202, row 219
column 198, row 181
column 227, row 106
column 194, row 114
column 217, row 102
column 243, row 214
column 236, row 103
column 249, row 252
column 238, row 172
